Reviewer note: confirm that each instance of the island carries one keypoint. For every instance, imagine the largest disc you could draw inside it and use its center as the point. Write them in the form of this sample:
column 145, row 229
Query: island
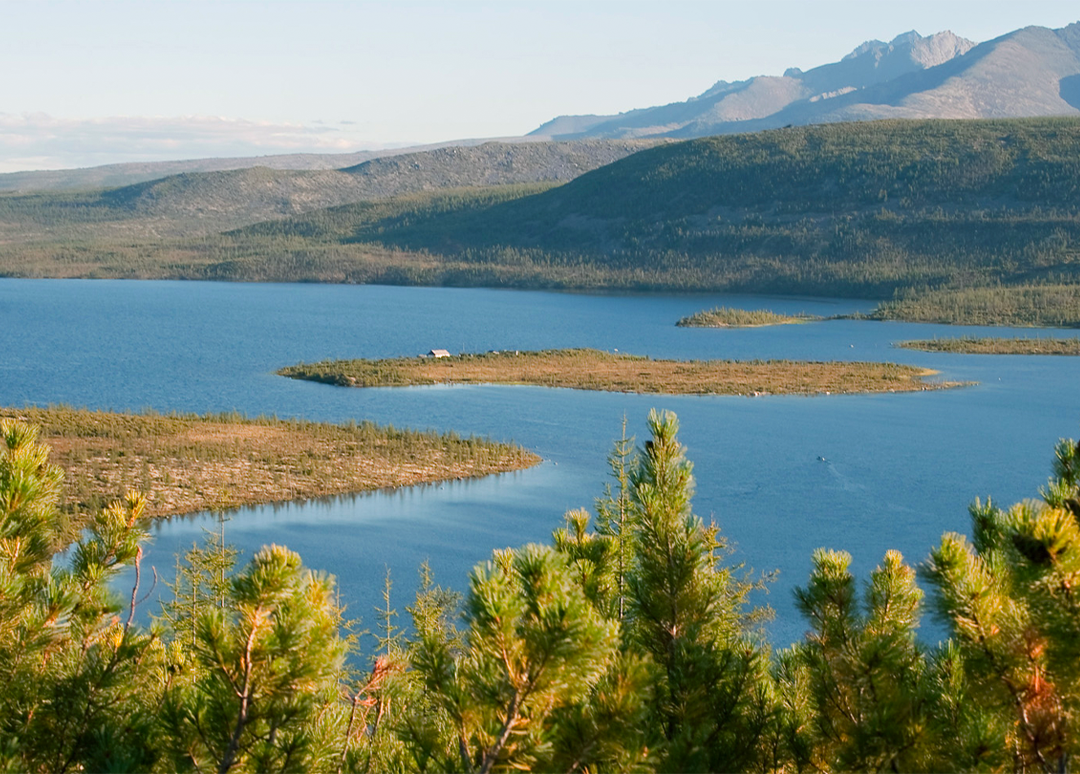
column 591, row 369
column 727, row 317
column 991, row 346
column 189, row 463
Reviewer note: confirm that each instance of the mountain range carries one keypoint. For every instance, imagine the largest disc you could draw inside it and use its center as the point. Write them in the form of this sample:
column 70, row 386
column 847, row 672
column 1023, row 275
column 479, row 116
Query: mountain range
column 1034, row 71
column 1030, row 72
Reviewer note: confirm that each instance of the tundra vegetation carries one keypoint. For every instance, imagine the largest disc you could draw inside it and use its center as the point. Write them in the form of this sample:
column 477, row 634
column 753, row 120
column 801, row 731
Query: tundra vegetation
column 956, row 221
column 1043, row 306
column 992, row 346
column 728, row 317
column 592, row 369
column 184, row 463
column 626, row 643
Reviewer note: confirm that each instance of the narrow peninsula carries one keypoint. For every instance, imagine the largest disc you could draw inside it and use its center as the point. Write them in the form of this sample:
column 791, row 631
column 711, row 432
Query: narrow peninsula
column 992, row 346
column 189, row 463
column 590, row 369
column 727, row 317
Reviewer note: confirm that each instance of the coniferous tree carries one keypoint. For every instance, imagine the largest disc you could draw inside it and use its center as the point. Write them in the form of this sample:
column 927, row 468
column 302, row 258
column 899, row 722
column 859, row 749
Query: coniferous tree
column 558, row 665
column 265, row 675
column 78, row 682
column 533, row 644
column 593, row 559
column 1009, row 596
column 687, row 613
column 382, row 694
column 614, row 513
column 202, row 582
column 865, row 676
column 603, row 729
column 425, row 726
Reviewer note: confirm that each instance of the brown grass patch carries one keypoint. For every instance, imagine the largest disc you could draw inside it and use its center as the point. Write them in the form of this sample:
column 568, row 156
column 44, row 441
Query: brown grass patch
column 589, row 369
column 193, row 463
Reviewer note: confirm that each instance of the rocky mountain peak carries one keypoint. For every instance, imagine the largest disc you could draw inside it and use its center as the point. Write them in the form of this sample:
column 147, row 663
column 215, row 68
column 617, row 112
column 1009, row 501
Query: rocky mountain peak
column 1030, row 72
column 938, row 49
column 928, row 51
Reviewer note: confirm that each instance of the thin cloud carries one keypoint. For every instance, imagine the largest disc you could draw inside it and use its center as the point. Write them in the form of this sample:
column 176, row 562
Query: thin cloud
column 41, row 141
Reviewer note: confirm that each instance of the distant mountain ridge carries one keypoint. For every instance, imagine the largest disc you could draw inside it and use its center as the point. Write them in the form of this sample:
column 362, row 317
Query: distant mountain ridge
column 133, row 172
column 199, row 203
column 1030, row 72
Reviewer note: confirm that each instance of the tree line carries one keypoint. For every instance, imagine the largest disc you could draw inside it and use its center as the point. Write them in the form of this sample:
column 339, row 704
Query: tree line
column 625, row 643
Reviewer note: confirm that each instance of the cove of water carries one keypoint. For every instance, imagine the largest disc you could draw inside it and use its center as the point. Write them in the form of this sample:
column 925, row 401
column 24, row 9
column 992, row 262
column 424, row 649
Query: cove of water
column 780, row 475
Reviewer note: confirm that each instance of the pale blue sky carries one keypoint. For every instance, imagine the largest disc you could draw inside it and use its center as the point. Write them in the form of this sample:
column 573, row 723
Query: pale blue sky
column 91, row 82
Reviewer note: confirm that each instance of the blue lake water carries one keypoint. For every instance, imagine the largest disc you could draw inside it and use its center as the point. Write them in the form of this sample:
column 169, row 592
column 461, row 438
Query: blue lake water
column 898, row 469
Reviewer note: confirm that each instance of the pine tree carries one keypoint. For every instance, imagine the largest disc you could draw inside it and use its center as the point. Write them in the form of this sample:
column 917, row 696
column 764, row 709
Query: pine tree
column 603, row 728
column 425, row 726
column 264, row 694
column 533, row 644
column 202, row 583
column 593, row 559
column 687, row 613
column 382, row 694
column 865, row 678
column 614, row 512
column 1009, row 597
column 77, row 680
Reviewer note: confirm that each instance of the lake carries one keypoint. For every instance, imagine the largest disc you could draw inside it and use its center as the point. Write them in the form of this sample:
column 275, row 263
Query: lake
column 780, row 475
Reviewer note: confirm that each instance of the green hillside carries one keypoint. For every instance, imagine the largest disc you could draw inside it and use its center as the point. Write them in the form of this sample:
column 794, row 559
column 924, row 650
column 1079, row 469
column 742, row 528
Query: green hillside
column 918, row 210
column 858, row 209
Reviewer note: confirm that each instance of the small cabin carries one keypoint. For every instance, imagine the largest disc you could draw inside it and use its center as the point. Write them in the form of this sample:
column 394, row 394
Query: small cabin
column 438, row 353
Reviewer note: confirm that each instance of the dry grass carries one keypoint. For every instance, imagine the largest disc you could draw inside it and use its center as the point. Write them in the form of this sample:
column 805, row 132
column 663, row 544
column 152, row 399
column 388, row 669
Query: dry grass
column 991, row 346
column 589, row 369
column 192, row 463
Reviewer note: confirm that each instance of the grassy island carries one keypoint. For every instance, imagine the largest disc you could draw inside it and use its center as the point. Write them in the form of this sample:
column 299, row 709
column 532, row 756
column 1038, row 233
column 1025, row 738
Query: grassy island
column 590, row 369
column 191, row 463
column 726, row 317
column 991, row 346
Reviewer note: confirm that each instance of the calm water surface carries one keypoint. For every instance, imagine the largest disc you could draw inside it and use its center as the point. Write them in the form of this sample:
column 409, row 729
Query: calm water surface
column 898, row 470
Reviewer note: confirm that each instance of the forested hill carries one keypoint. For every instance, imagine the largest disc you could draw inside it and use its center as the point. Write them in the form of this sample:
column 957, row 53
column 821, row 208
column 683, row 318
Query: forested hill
column 825, row 169
column 868, row 210
column 843, row 208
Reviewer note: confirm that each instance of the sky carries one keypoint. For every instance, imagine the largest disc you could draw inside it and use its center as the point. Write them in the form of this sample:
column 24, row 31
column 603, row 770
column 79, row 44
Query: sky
column 92, row 82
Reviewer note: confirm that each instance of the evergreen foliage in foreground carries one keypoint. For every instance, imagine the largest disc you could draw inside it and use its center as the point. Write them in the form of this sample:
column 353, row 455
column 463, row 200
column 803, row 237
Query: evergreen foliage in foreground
column 628, row 647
